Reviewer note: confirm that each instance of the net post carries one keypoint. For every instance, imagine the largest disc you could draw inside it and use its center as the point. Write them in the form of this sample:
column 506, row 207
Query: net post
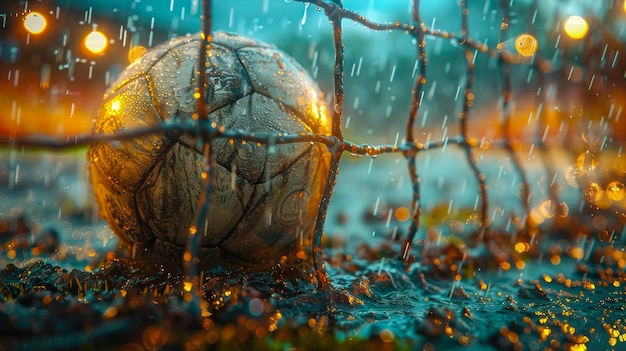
column 506, row 93
column 411, row 154
column 334, row 14
column 468, row 101
column 199, row 226
column 546, row 159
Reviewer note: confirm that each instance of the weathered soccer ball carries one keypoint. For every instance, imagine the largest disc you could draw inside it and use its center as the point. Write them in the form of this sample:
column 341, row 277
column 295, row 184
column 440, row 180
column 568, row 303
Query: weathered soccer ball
column 266, row 199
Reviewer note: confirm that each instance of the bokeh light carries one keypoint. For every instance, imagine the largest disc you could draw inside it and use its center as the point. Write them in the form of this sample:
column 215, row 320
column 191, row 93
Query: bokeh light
column 96, row 42
column 615, row 190
column 115, row 106
column 576, row 27
column 402, row 214
column 526, row 45
column 35, row 23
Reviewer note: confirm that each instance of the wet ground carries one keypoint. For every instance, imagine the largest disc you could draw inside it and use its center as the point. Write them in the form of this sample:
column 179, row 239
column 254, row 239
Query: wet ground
column 64, row 284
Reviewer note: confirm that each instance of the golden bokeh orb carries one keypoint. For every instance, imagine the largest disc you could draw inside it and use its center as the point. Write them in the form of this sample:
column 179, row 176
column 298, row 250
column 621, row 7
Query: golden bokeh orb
column 96, row 42
column 35, row 23
column 576, row 27
column 526, row 45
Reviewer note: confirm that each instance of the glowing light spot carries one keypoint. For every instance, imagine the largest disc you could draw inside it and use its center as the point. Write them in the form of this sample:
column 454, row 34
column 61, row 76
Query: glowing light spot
column 521, row 247
column 547, row 209
column 386, row 335
column 187, row 286
column 599, row 196
column 576, row 27
column 115, row 106
column 526, row 45
column 586, row 162
column 577, row 253
column 96, row 42
column 513, row 337
column 110, row 312
column 135, row 53
column 615, row 191
column 402, row 214
column 35, row 23
column 536, row 218
column 578, row 347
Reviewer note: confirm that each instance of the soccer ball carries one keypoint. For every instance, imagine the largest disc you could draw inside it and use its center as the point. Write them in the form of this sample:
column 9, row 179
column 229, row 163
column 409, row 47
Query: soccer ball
column 267, row 196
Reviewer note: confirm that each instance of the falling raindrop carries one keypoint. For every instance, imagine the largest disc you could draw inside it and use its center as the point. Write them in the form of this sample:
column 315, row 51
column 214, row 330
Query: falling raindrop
column 306, row 7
